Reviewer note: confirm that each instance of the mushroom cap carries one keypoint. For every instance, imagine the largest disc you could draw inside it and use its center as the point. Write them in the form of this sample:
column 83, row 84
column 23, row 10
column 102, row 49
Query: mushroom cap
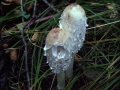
column 58, row 57
column 73, row 20
column 55, row 36
column 72, row 16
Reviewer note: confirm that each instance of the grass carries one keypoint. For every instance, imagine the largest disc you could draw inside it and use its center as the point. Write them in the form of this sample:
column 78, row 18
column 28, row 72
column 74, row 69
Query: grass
column 101, row 46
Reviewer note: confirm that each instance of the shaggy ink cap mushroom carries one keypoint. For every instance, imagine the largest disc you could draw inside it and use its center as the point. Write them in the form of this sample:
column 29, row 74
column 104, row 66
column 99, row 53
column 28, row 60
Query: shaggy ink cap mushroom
column 57, row 56
column 73, row 21
column 63, row 42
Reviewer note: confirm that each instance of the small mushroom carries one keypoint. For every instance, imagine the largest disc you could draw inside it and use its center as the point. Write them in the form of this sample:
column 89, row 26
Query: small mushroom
column 63, row 42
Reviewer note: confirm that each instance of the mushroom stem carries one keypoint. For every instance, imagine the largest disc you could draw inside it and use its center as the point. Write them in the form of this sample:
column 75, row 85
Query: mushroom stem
column 69, row 71
column 61, row 80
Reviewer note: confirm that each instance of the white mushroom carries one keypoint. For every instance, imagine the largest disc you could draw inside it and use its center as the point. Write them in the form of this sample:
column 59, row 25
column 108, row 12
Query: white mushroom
column 63, row 42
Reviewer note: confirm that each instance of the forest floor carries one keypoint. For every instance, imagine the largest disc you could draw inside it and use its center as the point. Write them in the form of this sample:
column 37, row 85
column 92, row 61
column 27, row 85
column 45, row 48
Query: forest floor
column 24, row 26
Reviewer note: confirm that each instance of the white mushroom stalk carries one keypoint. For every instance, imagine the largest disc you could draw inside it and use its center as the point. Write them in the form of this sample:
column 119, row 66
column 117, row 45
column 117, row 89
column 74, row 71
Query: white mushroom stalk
column 63, row 42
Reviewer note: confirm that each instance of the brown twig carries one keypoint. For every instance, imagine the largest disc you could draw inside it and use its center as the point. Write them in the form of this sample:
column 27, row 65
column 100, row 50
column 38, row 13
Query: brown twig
column 25, row 50
column 33, row 21
column 45, row 18
column 34, row 11
column 46, row 2
column 43, row 12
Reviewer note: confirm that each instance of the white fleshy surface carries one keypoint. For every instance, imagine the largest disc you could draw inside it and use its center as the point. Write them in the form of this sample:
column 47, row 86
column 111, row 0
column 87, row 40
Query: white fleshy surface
column 62, row 42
